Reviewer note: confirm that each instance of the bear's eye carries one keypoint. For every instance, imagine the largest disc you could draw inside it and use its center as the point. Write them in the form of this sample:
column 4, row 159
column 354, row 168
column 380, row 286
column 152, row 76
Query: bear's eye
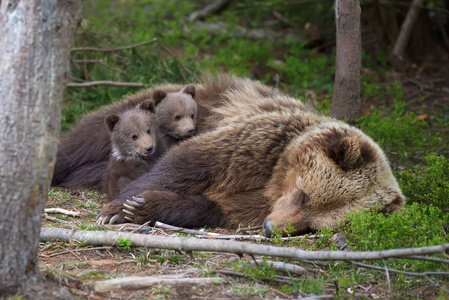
column 177, row 117
column 134, row 137
column 193, row 116
column 149, row 131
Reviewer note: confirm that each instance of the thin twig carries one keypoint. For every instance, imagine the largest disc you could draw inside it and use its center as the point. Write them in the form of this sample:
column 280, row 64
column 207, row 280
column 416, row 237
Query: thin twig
column 387, row 273
column 142, row 226
column 54, row 219
column 56, row 210
column 248, row 228
column 108, row 83
column 113, row 49
column 183, row 230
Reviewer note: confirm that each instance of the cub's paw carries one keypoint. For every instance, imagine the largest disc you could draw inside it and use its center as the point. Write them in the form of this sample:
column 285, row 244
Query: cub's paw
column 131, row 206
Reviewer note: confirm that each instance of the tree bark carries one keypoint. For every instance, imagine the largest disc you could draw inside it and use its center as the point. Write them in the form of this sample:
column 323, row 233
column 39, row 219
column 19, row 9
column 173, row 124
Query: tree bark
column 346, row 99
column 36, row 36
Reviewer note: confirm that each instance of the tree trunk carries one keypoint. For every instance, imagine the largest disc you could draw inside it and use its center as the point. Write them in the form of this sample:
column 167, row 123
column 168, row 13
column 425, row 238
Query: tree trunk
column 346, row 99
column 406, row 29
column 36, row 36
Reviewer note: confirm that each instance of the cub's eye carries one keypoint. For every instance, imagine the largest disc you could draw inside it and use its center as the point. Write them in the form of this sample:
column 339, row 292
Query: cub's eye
column 177, row 117
column 193, row 116
column 134, row 137
column 149, row 131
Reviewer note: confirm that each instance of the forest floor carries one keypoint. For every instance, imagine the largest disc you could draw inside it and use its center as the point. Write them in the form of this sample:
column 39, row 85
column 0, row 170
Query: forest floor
column 78, row 266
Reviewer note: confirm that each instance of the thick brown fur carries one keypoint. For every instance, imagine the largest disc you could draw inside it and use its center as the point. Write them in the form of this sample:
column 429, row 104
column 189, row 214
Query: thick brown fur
column 136, row 146
column 270, row 160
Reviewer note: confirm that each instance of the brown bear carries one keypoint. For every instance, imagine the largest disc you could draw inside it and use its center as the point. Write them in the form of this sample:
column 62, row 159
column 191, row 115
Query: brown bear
column 276, row 163
column 136, row 145
column 84, row 152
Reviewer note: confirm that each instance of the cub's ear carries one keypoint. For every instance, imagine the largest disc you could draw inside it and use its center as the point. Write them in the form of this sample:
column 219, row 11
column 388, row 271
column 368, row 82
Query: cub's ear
column 189, row 89
column 351, row 153
column 147, row 105
column 158, row 96
column 111, row 120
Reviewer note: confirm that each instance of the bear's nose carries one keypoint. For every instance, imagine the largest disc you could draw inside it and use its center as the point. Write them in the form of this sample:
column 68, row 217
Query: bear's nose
column 191, row 130
column 149, row 149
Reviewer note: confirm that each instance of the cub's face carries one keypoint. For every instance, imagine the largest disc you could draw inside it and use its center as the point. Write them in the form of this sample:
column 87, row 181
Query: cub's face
column 177, row 112
column 326, row 174
column 133, row 133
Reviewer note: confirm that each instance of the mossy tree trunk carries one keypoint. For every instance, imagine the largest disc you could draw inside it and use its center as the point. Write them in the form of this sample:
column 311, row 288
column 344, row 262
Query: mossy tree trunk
column 346, row 102
column 36, row 36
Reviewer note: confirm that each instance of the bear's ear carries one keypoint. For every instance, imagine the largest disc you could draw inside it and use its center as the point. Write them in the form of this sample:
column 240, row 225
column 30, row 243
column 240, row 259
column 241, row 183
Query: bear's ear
column 147, row 105
column 350, row 153
column 189, row 89
column 110, row 121
column 158, row 96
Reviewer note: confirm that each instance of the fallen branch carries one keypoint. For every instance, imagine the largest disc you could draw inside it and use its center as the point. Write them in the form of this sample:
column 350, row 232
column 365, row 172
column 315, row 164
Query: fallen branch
column 109, row 83
column 136, row 282
column 113, row 49
column 56, row 210
column 189, row 244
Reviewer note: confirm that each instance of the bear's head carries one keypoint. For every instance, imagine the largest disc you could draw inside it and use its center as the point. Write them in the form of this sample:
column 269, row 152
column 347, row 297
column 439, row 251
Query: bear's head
column 133, row 133
column 177, row 112
column 326, row 173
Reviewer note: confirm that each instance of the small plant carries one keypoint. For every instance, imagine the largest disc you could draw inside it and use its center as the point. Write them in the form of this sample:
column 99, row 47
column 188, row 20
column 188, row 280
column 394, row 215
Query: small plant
column 125, row 243
column 262, row 272
column 415, row 226
column 429, row 185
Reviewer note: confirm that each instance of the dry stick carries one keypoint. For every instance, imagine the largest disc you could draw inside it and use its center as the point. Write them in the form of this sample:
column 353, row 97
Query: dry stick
column 248, row 228
column 50, row 218
column 113, row 49
column 388, row 274
column 136, row 282
column 183, row 230
column 62, row 211
column 434, row 259
column 105, row 82
column 193, row 244
column 214, row 235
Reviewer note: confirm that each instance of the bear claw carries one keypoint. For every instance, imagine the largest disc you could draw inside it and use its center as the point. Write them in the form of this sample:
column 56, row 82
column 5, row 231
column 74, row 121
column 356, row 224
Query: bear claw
column 130, row 207
column 113, row 219
column 139, row 200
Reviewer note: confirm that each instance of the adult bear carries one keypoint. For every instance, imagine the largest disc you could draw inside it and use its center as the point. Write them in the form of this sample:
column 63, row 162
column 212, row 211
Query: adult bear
column 84, row 152
column 269, row 161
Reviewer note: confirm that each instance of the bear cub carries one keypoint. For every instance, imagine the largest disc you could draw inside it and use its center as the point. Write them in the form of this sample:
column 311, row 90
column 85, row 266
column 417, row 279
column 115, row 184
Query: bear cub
column 135, row 146
column 177, row 113
column 141, row 135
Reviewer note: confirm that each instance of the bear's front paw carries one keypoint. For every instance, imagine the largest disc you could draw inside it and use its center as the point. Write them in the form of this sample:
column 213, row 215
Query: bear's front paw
column 107, row 219
column 131, row 206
